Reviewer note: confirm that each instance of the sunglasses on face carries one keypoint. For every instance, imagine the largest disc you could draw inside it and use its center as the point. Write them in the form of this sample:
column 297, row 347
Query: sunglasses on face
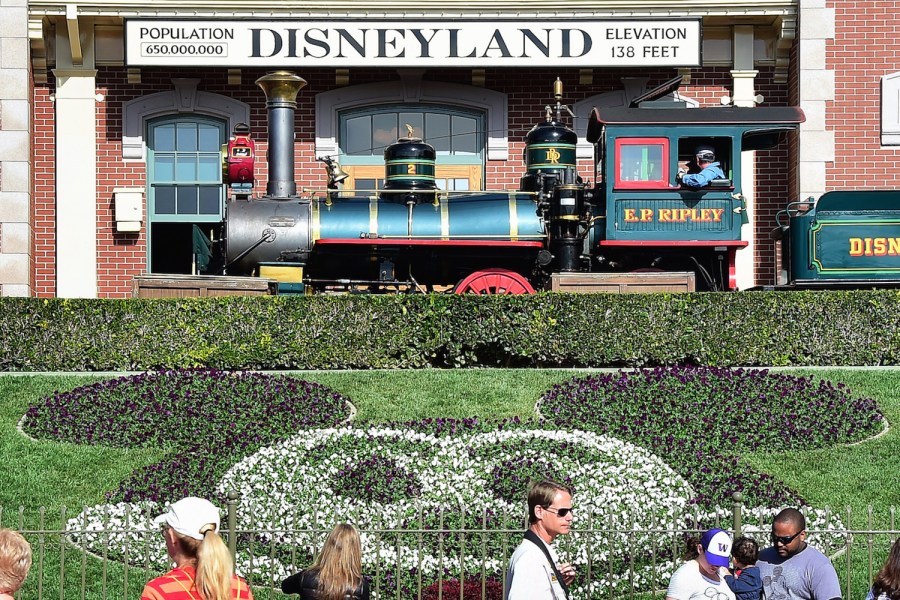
column 559, row 512
column 784, row 540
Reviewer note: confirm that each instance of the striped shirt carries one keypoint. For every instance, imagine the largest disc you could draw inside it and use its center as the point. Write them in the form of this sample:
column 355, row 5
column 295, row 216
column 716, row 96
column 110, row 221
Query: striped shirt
column 178, row 584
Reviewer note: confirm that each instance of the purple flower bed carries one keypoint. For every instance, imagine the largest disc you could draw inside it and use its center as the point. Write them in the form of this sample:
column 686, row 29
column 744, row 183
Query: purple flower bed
column 376, row 479
column 471, row 590
column 433, row 477
column 213, row 417
column 700, row 419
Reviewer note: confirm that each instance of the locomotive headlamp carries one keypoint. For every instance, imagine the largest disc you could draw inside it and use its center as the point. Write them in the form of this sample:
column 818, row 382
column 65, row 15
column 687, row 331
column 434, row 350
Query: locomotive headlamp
column 240, row 153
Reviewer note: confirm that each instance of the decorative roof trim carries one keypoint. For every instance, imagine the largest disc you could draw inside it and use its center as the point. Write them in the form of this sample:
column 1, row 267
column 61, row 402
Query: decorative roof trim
column 787, row 33
column 414, row 8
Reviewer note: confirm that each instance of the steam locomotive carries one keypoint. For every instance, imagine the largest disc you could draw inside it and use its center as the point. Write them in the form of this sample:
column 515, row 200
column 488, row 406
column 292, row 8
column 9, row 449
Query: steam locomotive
column 638, row 222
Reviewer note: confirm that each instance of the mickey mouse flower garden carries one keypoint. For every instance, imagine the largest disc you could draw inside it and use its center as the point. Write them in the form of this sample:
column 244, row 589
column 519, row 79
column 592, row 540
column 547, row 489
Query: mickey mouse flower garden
column 645, row 451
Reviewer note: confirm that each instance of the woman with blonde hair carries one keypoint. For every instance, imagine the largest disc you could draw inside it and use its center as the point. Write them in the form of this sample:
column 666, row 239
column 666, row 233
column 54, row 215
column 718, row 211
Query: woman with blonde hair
column 203, row 566
column 336, row 573
column 15, row 560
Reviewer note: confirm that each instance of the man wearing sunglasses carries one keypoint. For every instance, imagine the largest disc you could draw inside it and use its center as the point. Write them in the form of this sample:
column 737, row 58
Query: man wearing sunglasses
column 793, row 570
column 535, row 572
column 704, row 168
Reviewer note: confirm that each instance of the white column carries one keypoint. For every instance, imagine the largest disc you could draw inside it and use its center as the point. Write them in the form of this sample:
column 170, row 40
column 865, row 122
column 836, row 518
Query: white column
column 744, row 261
column 76, row 183
column 744, row 90
column 743, row 77
column 15, row 151
column 816, row 89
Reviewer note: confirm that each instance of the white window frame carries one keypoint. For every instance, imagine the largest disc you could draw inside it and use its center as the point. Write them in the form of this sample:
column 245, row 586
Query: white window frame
column 183, row 99
column 890, row 109
column 412, row 90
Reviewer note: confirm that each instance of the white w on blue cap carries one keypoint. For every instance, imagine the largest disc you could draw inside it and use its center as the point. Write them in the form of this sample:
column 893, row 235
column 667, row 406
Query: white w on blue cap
column 716, row 545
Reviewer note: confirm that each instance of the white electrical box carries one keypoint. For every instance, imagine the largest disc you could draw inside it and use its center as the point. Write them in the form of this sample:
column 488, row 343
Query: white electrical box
column 129, row 208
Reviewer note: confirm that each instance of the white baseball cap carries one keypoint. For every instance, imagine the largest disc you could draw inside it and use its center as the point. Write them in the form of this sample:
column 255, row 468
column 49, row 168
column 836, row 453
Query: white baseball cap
column 189, row 515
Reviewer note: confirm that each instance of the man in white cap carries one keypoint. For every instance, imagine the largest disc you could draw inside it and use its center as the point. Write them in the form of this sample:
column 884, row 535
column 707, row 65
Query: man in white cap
column 700, row 578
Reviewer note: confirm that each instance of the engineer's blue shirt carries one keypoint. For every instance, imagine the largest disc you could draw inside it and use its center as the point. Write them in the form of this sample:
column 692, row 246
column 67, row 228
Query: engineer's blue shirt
column 701, row 179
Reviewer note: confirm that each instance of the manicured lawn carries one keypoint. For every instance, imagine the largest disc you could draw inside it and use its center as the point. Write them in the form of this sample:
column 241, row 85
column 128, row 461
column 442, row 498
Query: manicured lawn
column 55, row 475
column 857, row 476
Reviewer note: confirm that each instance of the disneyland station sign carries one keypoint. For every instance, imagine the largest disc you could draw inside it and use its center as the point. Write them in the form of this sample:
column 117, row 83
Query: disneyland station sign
column 438, row 43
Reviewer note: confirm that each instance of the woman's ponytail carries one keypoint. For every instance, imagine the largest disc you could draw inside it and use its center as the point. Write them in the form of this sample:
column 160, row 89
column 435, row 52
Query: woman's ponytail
column 214, row 566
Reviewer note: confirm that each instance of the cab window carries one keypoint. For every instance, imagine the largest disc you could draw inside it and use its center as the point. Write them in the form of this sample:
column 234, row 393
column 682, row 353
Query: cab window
column 642, row 163
column 721, row 146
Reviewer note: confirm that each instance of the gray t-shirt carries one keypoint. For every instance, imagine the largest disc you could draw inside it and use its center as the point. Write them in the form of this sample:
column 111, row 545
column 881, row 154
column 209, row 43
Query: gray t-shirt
column 807, row 575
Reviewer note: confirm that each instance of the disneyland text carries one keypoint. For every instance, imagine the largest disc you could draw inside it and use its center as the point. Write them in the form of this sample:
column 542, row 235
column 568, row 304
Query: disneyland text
column 423, row 43
column 875, row 246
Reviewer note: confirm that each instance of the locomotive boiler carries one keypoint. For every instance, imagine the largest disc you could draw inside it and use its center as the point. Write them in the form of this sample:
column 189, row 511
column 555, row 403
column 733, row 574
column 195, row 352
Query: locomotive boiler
column 409, row 235
column 633, row 223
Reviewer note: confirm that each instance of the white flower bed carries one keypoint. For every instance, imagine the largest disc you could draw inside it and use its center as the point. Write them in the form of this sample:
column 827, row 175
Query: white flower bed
column 291, row 499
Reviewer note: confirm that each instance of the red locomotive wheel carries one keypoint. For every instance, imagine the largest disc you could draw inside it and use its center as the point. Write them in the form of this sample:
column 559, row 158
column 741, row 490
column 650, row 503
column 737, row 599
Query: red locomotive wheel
column 494, row 281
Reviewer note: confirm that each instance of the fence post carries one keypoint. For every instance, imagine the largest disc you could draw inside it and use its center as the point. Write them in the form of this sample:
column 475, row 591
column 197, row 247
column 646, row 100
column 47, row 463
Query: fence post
column 736, row 513
column 233, row 498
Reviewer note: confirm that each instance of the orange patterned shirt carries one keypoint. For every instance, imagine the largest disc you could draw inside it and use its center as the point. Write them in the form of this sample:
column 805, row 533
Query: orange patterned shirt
column 178, row 584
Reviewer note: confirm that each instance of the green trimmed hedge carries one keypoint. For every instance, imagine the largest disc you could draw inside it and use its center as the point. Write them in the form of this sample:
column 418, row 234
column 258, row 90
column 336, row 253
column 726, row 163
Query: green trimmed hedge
column 362, row 332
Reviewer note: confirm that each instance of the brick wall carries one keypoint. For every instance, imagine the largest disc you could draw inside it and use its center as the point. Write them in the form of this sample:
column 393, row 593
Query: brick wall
column 863, row 50
column 44, row 203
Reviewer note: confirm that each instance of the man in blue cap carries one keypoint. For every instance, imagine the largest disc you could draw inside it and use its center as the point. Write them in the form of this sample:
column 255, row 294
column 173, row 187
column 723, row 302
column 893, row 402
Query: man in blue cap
column 709, row 169
column 700, row 577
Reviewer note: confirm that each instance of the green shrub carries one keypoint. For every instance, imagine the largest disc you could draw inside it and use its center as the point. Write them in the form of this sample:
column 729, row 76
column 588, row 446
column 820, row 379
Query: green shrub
column 367, row 332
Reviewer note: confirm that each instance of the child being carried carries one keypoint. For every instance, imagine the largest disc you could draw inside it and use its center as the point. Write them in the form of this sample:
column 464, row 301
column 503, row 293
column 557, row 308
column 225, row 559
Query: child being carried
column 746, row 582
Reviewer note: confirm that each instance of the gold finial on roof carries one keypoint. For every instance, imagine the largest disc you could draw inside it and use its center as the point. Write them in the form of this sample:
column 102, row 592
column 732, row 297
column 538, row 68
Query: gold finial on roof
column 409, row 130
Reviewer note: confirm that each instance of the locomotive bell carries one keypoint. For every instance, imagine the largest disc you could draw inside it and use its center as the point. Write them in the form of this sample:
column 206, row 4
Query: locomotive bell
column 409, row 166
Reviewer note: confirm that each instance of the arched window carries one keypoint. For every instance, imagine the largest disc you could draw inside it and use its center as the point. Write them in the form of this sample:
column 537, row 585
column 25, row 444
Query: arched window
column 185, row 194
column 457, row 136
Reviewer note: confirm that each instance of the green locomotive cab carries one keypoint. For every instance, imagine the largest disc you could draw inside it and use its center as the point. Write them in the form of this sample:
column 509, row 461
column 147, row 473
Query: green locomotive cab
column 647, row 213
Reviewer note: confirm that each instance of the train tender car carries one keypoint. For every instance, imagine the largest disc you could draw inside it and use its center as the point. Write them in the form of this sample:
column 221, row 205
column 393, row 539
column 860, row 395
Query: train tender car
column 845, row 239
column 650, row 222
